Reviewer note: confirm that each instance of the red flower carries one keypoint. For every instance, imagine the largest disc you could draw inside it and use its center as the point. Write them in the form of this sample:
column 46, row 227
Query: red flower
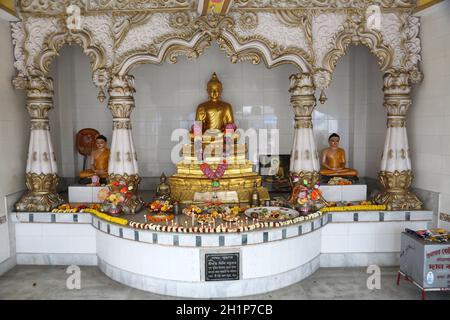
column 115, row 183
column 124, row 190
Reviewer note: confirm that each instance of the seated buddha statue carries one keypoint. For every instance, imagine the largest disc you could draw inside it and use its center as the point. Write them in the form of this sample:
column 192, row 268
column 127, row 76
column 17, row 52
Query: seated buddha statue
column 214, row 113
column 333, row 160
column 99, row 160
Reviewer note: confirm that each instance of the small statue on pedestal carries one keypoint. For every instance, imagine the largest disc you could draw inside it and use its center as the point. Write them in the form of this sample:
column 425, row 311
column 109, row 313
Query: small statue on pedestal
column 333, row 160
column 163, row 189
column 99, row 162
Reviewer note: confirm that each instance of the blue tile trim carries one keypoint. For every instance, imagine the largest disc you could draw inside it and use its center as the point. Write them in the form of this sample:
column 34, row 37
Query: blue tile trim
column 221, row 241
column 330, row 217
column 136, row 235
column 108, row 228
column 98, row 224
column 283, row 233
column 355, row 216
column 244, row 239
column 408, row 216
column 381, row 216
column 265, row 236
column 312, row 226
column 198, row 241
column 75, row 218
column 176, row 240
column 300, row 230
column 155, row 238
column 31, row 217
column 121, row 232
column 53, row 218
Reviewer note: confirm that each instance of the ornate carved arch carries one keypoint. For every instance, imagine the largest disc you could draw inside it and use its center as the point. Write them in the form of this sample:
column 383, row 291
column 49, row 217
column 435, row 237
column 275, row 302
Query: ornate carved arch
column 170, row 50
column 56, row 41
column 356, row 32
column 83, row 38
column 205, row 31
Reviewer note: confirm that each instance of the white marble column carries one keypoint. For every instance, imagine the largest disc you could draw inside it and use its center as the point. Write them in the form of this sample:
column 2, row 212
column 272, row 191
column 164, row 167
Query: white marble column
column 304, row 158
column 41, row 171
column 396, row 172
column 123, row 163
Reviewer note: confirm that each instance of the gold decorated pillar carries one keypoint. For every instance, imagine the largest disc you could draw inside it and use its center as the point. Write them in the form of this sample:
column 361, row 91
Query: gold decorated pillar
column 396, row 173
column 123, row 159
column 304, row 158
column 41, row 171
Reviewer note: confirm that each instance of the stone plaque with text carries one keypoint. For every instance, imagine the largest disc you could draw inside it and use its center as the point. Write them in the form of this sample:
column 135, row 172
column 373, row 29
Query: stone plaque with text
column 222, row 266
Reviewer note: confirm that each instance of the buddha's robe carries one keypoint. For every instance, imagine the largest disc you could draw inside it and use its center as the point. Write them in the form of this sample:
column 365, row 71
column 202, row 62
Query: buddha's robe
column 100, row 163
column 337, row 160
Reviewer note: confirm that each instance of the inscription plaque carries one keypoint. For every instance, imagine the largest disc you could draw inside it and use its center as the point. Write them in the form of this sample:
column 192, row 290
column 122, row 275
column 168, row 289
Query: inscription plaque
column 221, row 266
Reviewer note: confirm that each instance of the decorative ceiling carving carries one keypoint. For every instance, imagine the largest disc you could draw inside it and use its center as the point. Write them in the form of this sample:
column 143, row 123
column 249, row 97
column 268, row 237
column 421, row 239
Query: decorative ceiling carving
column 310, row 34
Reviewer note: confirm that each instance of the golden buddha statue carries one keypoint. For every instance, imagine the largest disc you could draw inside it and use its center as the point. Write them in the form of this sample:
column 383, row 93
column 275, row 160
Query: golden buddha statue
column 213, row 148
column 99, row 160
column 163, row 189
column 214, row 113
column 333, row 160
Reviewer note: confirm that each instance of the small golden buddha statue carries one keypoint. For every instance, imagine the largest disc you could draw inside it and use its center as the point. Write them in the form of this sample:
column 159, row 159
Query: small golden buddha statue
column 163, row 189
column 99, row 160
column 333, row 160
column 214, row 113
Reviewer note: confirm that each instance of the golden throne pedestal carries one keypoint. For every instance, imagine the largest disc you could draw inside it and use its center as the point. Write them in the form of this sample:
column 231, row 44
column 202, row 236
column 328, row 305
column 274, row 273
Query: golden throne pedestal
column 191, row 185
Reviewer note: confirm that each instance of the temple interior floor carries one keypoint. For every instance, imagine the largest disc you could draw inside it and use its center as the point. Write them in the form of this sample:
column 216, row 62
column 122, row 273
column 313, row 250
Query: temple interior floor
column 49, row 282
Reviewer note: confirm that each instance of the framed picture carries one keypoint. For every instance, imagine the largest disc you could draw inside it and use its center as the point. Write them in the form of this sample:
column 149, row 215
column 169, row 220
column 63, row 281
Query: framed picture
column 274, row 171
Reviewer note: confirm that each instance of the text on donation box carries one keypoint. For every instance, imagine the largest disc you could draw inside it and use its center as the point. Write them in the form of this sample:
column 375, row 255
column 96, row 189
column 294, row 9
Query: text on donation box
column 437, row 268
column 221, row 266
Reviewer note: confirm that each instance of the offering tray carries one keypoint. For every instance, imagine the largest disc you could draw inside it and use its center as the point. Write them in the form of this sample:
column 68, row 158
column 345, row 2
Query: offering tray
column 274, row 214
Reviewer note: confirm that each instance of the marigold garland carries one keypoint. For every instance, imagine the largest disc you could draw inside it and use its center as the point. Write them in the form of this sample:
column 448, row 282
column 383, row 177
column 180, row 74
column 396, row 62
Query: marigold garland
column 160, row 218
column 106, row 217
column 370, row 207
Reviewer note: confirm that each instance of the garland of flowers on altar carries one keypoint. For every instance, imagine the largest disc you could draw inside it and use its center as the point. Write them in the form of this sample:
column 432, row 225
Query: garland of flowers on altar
column 214, row 174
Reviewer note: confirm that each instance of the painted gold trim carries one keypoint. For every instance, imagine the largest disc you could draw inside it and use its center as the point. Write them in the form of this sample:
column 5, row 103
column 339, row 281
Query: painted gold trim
column 8, row 10
column 427, row 5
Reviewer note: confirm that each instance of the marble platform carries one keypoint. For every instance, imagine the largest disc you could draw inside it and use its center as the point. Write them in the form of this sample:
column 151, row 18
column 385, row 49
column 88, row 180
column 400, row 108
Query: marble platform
column 84, row 194
column 335, row 193
column 173, row 263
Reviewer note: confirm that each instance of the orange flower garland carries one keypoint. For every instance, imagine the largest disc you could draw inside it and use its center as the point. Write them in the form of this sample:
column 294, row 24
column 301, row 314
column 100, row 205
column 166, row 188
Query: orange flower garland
column 160, row 217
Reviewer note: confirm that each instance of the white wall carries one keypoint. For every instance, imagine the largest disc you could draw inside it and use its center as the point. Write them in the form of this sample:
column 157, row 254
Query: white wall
column 429, row 117
column 14, row 135
column 167, row 97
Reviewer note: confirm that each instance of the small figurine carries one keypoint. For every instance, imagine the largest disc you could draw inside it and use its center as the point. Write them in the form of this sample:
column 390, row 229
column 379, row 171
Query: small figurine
column 163, row 189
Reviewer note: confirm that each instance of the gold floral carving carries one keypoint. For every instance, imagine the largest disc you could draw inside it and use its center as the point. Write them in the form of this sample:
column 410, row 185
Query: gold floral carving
column 395, row 191
column 180, row 20
column 396, row 122
column 302, row 99
column 122, row 125
column 136, row 203
column 40, row 125
column 248, row 20
column 354, row 31
column 41, row 195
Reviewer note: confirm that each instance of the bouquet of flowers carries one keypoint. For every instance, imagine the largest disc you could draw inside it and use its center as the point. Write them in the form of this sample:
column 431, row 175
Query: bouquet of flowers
column 115, row 196
column 307, row 197
column 160, row 206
